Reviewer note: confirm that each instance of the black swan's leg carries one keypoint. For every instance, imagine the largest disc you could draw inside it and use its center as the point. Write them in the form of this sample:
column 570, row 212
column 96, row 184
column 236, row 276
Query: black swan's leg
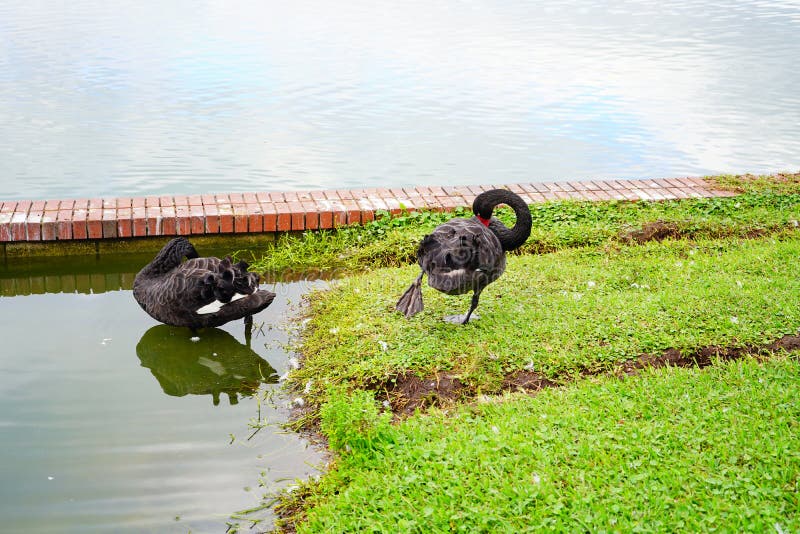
column 474, row 304
column 248, row 329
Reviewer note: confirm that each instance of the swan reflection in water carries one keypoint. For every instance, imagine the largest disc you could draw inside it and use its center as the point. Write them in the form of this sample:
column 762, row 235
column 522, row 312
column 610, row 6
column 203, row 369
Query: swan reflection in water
column 216, row 363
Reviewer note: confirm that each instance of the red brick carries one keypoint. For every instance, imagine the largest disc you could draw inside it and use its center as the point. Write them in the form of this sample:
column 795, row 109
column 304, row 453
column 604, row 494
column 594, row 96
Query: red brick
column 197, row 222
column 290, row 196
column 169, row 221
column 239, row 217
column 33, row 224
column 80, row 228
column 236, row 198
column 284, row 215
column 303, row 196
column 8, row 206
column 151, row 202
column 94, row 229
column 675, row 192
column 208, row 200
column 138, row 202
column 263, row 197
column 124, row 225
column 564, row 195
column 579, row 186
column 541, row 188
column 276, row 197
column 250, row 198
column 38, row 205
column 367, row 216
column 183, row 219
column 298, row 215
column 318, row 195
column 64, row 224
column 312, row 214
column 139, row 221
column 255, row 219
column 325, row 219
column 5, row 227
column 94, row 222
column 211, row 218
column 153, row 215
column 353, row 212
column 225, row 219
column 195, row 200
column 18, row 231
column 344, row 194
column 166, row 201
column 269, row 219
column 616, row 184
column 49, row 225
column 109, row 223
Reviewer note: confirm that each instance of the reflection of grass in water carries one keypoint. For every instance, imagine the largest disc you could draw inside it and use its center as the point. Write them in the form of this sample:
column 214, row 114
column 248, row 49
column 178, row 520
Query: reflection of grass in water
column 215, row 364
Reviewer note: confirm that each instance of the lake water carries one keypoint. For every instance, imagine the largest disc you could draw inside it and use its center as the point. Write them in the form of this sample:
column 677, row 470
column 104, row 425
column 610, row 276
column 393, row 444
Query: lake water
column 111, row 422
column 145, row 97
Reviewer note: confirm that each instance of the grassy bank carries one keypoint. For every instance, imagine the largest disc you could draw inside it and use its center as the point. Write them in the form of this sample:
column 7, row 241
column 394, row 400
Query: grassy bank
column 608, row 443
column 677, row 450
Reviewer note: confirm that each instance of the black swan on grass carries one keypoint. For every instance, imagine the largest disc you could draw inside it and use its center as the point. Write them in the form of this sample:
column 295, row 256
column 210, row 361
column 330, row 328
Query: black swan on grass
column 198, row 292
column 465, row 255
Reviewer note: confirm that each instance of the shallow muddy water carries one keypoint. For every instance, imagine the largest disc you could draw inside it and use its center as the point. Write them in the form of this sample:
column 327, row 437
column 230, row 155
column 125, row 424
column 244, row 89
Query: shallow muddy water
column 111, row 422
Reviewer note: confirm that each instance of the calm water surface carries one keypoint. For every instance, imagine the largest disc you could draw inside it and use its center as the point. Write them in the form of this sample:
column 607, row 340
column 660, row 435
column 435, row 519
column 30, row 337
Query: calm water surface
column 113, row 423
column 123, row 97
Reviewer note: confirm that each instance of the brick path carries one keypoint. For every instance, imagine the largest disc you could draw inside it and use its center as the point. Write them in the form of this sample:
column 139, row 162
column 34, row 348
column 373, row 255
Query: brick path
column 242, row 213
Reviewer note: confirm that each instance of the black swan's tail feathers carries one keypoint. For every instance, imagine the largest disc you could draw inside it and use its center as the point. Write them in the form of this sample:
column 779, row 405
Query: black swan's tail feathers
column 227, row 279
column 237, row 309
column 410, row 303
column 244, row 281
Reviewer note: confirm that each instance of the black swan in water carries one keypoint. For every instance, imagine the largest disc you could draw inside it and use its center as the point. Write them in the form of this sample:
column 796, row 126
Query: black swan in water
column 198, row 292
column 464, row 255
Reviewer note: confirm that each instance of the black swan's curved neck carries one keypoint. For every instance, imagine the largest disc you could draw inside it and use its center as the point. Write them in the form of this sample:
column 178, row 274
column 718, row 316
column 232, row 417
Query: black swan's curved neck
column 171, row 256
column 510, row 238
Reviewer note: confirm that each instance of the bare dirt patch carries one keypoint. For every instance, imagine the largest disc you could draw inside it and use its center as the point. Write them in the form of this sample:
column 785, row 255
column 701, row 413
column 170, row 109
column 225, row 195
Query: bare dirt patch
column 652, row 231
column 408, row 392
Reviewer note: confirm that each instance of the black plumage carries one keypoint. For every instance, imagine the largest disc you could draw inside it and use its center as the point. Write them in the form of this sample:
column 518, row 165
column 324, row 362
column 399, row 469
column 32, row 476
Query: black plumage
column 198, row 292
column 465, row 255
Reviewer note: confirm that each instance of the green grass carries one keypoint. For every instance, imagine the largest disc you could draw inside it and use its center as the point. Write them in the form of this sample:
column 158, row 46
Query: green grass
column 558, row 314
column 677, row 450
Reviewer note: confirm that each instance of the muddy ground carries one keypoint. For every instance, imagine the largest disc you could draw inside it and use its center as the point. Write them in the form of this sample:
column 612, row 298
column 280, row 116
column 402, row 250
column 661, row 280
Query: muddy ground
column 408, row 392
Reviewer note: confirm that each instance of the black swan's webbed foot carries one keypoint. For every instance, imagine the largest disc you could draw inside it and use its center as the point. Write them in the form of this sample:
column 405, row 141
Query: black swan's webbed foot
column 410, row 303
column 464, row 319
